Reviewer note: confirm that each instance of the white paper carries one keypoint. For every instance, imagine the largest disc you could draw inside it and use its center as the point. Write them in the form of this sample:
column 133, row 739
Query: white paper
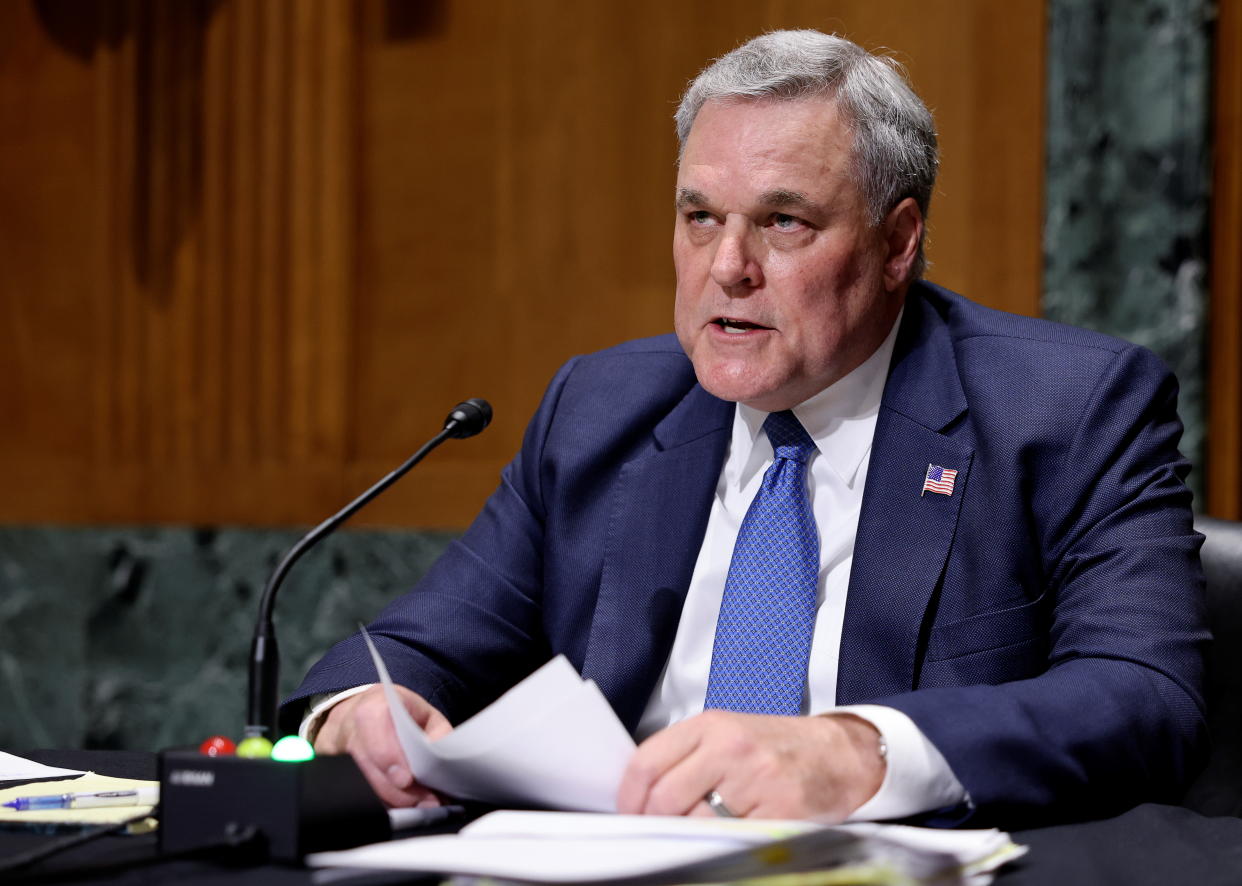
column 559, row 825
column 555, row 847
column 14, row 768
column 978, row 852
column 517, row 858
column 553, row 740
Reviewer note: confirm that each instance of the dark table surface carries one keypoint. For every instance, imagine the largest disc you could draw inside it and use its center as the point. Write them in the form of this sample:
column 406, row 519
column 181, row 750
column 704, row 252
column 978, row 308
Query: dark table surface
column 1151, row 844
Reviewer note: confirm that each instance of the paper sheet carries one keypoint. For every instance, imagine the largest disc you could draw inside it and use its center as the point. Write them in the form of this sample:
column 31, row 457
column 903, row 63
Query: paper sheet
column 978, row 852
column 551, row 847
column 14, row 768
column 553, row 740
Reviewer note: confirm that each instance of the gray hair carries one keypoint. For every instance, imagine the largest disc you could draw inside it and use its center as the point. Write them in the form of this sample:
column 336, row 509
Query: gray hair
column 895, row 153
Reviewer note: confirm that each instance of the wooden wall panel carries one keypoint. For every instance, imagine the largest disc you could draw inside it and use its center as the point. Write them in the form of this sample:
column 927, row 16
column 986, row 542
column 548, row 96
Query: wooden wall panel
column 212, row 227
column 526, row 205
column 257, row 249
column 47, row 252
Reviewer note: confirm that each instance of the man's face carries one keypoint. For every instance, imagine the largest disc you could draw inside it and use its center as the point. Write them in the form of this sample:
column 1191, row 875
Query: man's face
column 783, row 285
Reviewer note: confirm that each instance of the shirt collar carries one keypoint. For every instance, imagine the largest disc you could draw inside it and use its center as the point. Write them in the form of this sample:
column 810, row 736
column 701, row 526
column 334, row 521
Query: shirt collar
column 839, row 419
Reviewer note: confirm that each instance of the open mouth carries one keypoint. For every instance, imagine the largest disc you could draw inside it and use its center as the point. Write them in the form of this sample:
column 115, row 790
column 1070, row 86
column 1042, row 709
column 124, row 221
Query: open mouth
column 736, row 327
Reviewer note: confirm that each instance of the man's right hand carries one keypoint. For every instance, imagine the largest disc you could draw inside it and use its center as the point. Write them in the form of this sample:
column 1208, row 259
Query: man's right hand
column 362, row 727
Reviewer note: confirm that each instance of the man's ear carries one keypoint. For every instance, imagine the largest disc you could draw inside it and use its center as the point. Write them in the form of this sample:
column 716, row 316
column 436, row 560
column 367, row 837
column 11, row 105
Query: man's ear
column 903, row 231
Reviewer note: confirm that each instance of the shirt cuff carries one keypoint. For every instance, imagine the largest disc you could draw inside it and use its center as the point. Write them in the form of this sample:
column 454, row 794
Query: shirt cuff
column 917, row 778
column 320, row 705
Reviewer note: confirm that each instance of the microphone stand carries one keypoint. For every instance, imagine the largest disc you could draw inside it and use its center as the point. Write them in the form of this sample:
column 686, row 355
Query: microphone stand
column 466, row 420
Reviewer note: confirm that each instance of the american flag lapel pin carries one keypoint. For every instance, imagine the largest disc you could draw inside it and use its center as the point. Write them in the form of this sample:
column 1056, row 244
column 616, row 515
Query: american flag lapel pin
column 938, row 479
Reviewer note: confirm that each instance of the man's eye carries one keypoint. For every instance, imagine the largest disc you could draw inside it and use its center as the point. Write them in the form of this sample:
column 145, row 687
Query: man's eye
column 700, row 217
column 783, row 222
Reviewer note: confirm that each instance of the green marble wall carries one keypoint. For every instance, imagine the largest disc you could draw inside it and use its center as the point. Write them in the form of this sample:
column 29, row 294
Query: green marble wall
column 1128, row 178
column 139, row 639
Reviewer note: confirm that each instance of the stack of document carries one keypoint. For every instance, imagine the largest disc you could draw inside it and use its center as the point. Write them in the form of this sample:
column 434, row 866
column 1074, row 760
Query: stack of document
column 560, row 847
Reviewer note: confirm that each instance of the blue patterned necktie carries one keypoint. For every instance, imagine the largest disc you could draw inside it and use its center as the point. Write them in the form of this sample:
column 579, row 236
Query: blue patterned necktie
column 767, row 615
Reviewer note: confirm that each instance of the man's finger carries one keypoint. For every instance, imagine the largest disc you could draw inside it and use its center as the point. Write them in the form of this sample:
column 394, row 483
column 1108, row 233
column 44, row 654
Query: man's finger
column 400, row 776
column 649, row 762
column 702, row 810
column 645, row 787
column 684, row 784
column 386, row 790
column 434, row 724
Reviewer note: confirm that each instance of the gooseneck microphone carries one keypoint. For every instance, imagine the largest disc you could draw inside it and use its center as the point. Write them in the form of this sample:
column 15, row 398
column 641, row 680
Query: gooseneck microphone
column 467, row 419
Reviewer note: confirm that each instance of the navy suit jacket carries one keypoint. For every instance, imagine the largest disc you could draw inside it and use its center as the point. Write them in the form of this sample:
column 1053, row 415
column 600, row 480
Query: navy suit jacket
column 1042, row 625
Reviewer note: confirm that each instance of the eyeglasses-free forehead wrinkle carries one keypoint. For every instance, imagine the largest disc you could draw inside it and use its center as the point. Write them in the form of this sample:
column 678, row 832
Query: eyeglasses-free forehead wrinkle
column 776, row 199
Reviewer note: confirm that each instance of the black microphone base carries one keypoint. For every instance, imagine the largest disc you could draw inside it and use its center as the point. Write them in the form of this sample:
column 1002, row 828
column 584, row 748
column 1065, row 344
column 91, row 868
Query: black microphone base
column 269, row 809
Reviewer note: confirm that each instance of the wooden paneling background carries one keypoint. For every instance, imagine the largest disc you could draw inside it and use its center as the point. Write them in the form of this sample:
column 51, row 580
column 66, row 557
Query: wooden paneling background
column 253, row 250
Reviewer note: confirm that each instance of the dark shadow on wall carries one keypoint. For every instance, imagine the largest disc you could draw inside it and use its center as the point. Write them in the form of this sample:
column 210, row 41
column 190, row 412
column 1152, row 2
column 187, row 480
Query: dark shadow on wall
column 168, row 38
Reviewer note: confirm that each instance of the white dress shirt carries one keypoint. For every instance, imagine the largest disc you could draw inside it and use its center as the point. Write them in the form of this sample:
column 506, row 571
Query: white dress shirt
column 841, row 421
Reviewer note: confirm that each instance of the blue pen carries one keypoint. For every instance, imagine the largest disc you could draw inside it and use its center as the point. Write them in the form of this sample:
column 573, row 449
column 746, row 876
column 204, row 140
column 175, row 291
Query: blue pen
column 143, row 796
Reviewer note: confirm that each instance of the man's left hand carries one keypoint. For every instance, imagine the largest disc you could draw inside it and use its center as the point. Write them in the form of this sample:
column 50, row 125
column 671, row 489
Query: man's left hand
column 761, row 766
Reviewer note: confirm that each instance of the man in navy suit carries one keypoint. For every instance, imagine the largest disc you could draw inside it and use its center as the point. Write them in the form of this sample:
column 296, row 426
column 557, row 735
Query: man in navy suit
column 1006, row 605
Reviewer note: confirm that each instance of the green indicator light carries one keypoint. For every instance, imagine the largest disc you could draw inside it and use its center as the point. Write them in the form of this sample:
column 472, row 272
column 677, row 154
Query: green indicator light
column 255, row 747
column 292, row 749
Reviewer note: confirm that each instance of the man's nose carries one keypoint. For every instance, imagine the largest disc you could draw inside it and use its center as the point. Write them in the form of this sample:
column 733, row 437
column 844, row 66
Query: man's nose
column 735, row 263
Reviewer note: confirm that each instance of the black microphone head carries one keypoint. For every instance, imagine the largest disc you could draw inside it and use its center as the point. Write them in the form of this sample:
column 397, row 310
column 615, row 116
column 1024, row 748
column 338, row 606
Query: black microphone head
column 468, row 418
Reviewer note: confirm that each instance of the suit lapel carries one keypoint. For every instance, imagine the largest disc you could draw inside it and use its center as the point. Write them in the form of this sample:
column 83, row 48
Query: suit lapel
column 661, row 503
column 904, row 536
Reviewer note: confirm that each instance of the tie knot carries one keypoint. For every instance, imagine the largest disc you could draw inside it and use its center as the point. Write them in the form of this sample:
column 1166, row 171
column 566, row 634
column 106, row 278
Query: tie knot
column 789, row 439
